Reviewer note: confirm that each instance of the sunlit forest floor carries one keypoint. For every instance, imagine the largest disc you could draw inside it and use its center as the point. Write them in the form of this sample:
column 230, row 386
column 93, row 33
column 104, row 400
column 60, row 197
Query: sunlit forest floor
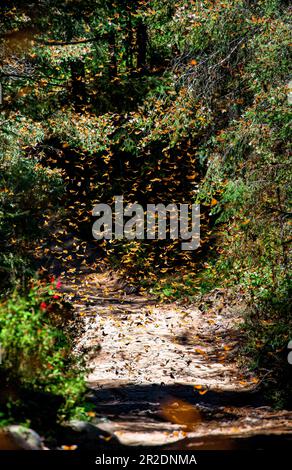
column 169, row 374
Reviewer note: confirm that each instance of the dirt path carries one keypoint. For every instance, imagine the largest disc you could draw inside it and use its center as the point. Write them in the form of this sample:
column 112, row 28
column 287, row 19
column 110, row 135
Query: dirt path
column 168, row 374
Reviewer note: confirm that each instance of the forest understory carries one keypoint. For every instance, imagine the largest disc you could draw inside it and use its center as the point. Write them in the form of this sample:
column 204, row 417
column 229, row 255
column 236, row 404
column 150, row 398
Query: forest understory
column 119, row 342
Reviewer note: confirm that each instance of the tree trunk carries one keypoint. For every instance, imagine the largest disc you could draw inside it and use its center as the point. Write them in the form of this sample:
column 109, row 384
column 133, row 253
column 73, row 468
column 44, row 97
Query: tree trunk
column 129, row 43
column 141, row 38
column 113, row 67
column 78, row 88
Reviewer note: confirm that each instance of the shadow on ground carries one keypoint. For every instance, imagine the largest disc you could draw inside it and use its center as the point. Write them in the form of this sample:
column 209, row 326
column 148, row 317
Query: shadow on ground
column 225, row 420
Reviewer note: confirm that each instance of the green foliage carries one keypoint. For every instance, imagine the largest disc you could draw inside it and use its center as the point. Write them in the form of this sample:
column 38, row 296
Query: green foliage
column 36, row 354
column 27, row 191
column 158, row 99
column 249, row 175
column 269, row 329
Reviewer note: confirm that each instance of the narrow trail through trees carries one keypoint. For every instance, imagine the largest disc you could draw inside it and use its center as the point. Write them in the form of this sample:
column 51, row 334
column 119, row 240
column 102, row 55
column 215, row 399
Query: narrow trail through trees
column 159, row 373
column 166, row 373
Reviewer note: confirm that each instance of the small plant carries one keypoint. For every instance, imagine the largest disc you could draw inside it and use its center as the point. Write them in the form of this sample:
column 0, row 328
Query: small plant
column 37, row 354
column 269, row 329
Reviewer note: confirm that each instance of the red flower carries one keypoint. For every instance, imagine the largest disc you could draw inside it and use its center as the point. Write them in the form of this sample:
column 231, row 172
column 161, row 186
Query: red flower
column 43, row 306
column 52, row 280
column 56, row 296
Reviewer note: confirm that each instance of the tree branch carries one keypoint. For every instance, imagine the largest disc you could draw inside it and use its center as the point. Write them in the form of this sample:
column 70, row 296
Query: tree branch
column 69, row 43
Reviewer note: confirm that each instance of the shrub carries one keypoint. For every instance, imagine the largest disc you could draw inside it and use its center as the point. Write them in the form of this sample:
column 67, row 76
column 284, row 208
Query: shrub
column 37, row 354
column 27, row 190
